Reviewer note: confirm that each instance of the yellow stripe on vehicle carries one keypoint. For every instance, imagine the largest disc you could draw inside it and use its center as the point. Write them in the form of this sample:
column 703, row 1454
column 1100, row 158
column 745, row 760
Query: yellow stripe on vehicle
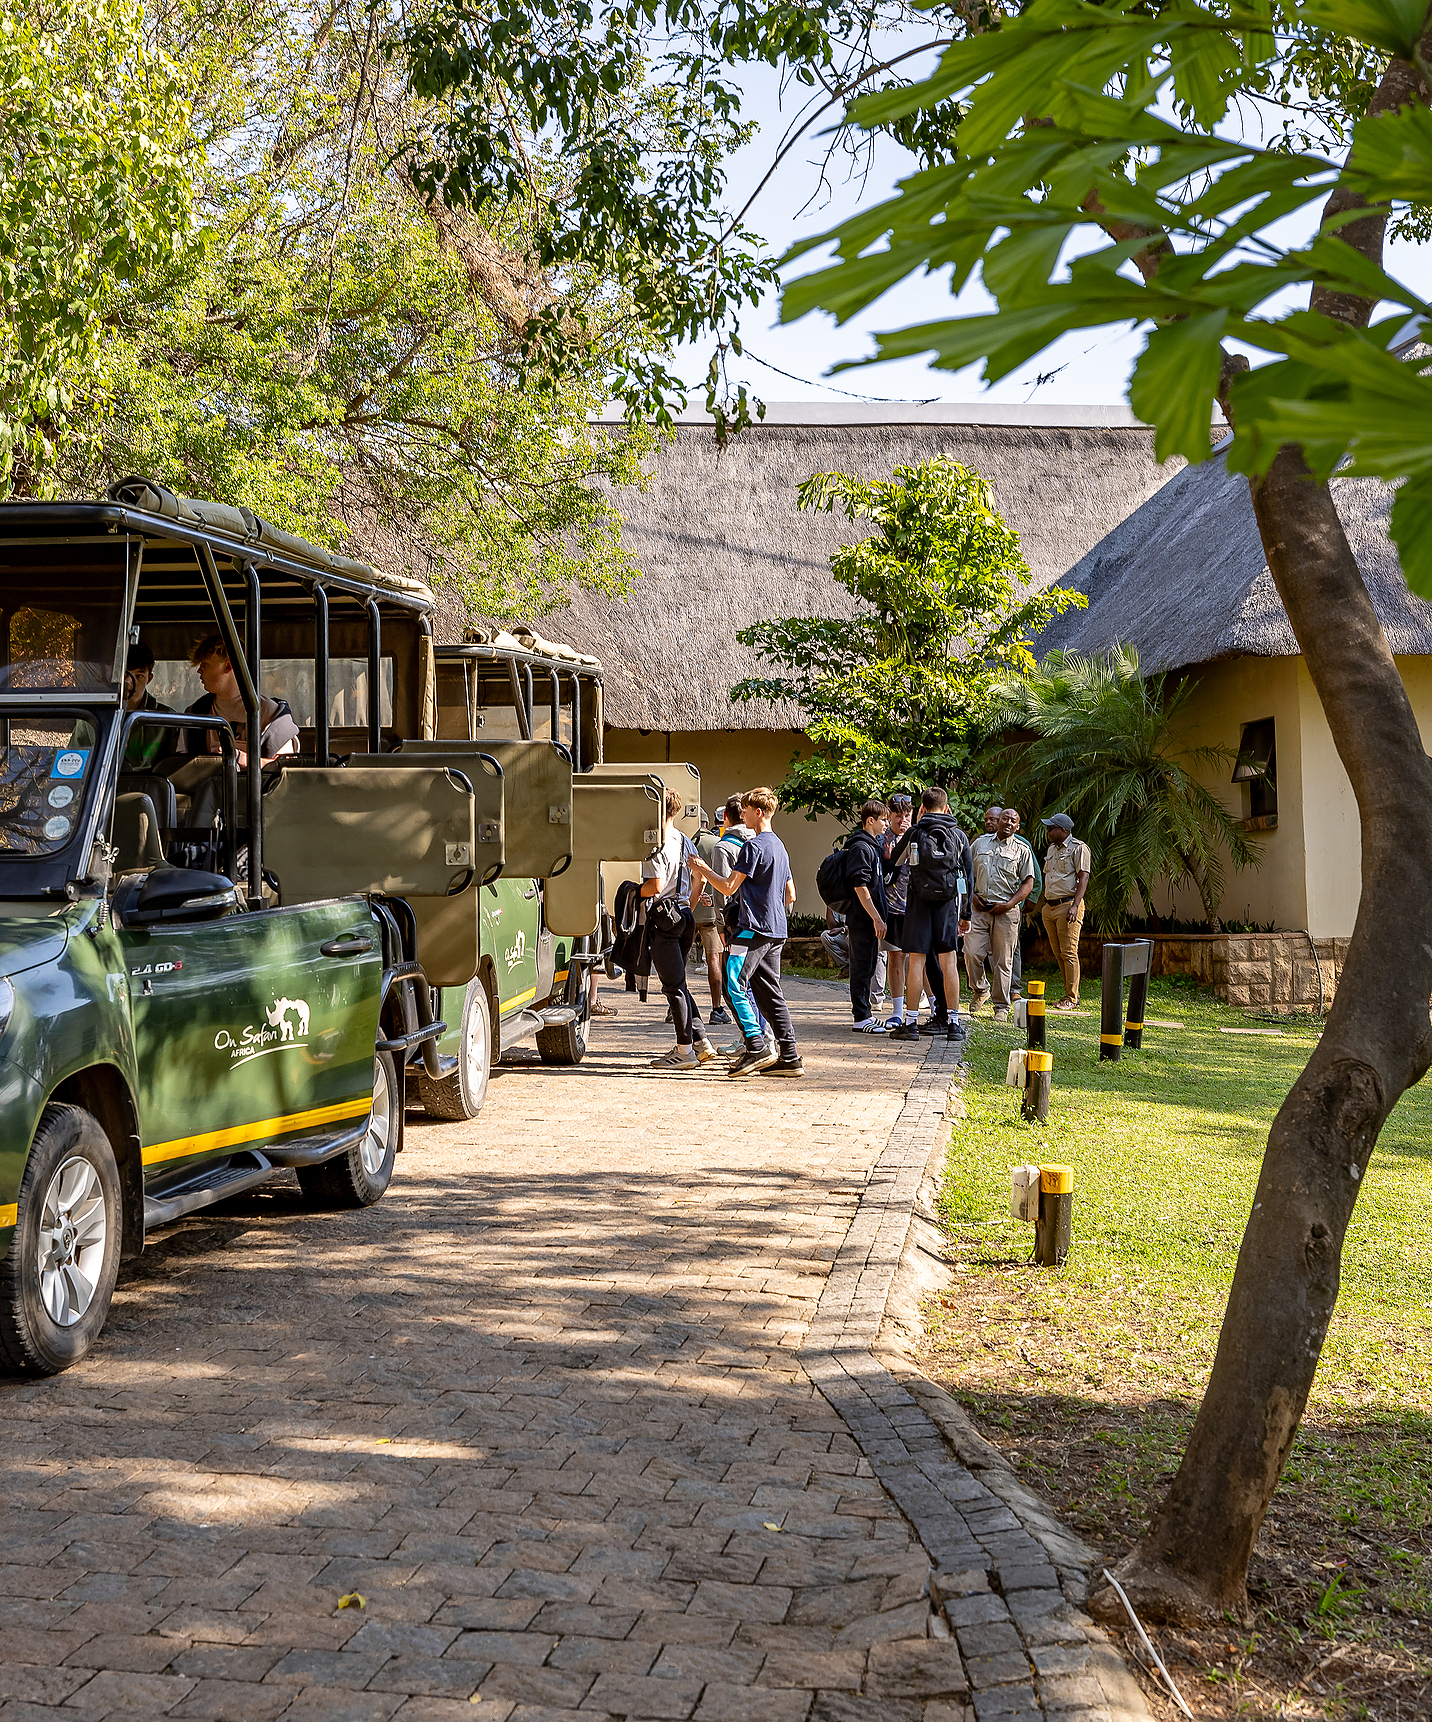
column 213, row 1140
column 559, row 977
column 9, row 1215
column 521, row 999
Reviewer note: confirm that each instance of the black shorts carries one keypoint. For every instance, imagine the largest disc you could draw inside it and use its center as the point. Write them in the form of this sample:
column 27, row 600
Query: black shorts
column 930, row 928
column 894, row 931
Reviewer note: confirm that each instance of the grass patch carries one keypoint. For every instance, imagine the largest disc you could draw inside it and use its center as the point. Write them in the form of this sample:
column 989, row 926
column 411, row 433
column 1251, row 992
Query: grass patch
column 1089, row 1378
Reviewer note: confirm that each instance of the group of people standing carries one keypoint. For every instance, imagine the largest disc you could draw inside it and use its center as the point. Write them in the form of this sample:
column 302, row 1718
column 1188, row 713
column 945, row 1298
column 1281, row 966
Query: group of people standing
column 740, row 875
column 921, row 890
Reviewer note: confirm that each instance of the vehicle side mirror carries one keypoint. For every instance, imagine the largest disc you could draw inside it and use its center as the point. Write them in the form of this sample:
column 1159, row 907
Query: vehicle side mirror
column 175, row 894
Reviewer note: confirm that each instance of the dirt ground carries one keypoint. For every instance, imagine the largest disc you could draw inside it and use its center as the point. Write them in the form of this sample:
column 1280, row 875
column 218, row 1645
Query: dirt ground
column 1338, row 1624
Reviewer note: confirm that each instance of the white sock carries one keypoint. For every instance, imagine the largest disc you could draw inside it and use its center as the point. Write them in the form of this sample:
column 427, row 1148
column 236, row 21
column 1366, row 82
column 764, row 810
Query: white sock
column 897, row 1010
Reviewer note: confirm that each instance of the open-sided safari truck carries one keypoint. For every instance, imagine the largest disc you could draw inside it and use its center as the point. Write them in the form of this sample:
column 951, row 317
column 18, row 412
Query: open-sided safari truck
column 207, row 971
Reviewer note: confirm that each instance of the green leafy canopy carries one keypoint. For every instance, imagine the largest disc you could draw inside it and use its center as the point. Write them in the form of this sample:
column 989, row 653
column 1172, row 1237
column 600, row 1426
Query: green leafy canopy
column 1199, row 194
column 330, row 347
column 895, row 694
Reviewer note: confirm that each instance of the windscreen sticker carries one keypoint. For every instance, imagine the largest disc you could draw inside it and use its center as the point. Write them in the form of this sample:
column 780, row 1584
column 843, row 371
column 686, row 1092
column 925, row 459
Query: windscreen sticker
column 61, row 795
column 71, row 762
column 57, row 828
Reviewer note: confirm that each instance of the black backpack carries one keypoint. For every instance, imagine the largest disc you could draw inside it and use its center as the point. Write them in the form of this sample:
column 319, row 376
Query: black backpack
column 936, row 876
column 830, row 879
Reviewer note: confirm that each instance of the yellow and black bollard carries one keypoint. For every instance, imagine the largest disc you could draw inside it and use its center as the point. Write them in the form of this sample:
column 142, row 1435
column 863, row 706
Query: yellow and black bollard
column 1034, row 1013
column 1111, row 1004
column 1054, row 1227
column 1138, row 1003
column 1038, row 1080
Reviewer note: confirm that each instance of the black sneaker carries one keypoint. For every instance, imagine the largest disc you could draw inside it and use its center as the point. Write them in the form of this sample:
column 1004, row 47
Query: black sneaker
column 750, row 1062
column 935, row 1025
column 906, row 1031
column 957, row 1031
column 785, row 1067
column 719, row 1014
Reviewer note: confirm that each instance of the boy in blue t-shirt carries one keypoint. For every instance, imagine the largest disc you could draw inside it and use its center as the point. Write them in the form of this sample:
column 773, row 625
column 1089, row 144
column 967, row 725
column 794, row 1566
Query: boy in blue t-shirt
column 762, row 877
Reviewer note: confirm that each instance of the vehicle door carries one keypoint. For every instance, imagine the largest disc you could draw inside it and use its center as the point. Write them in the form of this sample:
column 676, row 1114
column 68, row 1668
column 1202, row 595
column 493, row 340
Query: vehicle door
column 251, row 1028
column 511, row 922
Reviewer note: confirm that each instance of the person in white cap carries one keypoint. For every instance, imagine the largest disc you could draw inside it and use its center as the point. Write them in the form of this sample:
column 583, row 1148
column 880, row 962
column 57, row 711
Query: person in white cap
column 1066, row 879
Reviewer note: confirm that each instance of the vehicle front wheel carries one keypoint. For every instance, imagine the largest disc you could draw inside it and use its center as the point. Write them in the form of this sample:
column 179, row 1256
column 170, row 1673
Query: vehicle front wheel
column 56, row 1282
column 360, row 1175
column 461, row 1094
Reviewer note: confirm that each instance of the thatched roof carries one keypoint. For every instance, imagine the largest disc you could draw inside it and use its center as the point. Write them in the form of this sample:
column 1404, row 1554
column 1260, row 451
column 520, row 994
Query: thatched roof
column 1184, row 577
column 721, row 545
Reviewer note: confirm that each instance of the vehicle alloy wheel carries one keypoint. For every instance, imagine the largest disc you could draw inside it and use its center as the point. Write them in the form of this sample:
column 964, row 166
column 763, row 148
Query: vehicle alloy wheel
column 461, row 1094
column 358, row 1177
column 59, row 1275
column 73, row 1230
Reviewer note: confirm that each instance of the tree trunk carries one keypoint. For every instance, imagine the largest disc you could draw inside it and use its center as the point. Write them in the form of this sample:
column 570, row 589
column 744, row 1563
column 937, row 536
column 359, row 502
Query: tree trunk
column 1377, row 1043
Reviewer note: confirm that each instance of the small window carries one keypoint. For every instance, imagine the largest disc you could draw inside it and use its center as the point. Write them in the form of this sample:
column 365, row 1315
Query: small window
column 1258, row 767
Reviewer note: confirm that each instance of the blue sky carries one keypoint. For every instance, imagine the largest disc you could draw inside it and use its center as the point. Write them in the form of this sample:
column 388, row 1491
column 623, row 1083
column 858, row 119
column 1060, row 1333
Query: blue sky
column 1085, row 368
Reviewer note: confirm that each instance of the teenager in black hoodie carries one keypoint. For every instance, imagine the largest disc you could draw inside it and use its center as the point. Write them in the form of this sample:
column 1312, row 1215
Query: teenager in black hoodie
column 866, row 920
column 934, row 928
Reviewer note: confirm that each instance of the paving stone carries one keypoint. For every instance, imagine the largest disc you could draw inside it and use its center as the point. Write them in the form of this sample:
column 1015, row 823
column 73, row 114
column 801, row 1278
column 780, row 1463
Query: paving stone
column 232, row 1701
column 846, row 1707
column 1006, row 1704
column 1007, row 1667
column 641, row 1696
column 1070, row 1690
column 989, row 1638
column 918, row 1668
column 115, row 1693
column 975, row 1610
column 752, row 1704
column 1039, row 1576
column 1060, row 1659
column 912, row 1621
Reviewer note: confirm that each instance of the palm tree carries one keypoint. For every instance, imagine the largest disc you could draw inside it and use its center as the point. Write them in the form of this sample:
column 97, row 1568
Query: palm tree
column 1093, row 737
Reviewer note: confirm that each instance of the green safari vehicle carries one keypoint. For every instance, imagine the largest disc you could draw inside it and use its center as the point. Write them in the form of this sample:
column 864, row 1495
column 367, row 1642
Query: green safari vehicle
column 211, row 972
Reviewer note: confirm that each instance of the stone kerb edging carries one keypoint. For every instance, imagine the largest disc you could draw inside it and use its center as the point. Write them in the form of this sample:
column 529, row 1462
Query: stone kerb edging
column 1008, row 1578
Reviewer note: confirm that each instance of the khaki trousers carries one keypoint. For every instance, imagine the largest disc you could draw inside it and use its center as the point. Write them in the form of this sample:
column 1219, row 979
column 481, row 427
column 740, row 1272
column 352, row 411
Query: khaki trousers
column 995, row 937
column 1063, row 936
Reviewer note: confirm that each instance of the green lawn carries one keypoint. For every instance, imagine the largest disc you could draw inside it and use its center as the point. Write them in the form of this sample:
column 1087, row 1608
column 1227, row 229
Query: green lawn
column 1089, row 1377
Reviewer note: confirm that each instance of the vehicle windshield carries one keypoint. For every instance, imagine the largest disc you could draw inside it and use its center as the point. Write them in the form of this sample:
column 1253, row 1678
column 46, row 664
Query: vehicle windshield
column 46, row 760
column 61, row 617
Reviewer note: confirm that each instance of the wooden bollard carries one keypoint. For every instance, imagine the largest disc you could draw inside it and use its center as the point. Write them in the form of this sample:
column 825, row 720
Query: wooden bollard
column 1034, row 1014
column 1111, row 1004
column 1038, row 1080
column 1054, row 1227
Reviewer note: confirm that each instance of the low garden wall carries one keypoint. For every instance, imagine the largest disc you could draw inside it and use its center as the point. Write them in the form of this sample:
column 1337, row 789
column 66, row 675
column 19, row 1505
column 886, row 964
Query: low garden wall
column 1253, row 970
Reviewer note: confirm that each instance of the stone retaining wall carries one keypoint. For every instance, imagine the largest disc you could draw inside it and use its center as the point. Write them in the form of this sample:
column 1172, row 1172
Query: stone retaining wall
column 1253, row 970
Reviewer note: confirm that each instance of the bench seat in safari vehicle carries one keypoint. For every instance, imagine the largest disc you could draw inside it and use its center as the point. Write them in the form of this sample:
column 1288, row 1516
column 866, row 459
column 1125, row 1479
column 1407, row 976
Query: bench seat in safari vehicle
column 174, row 1027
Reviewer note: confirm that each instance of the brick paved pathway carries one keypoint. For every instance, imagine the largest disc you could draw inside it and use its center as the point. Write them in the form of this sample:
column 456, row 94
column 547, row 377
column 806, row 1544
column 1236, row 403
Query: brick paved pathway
column 541, row 1408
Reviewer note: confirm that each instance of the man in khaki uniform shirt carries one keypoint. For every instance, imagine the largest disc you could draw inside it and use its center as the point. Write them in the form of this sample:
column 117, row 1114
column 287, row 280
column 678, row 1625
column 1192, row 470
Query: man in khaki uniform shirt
column 1066, row 878
column 1004, row 877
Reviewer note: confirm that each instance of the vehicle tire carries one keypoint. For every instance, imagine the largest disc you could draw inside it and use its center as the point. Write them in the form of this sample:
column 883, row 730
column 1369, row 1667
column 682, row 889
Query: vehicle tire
column 461, row 1095
column 359, row 1176
column 58, row 1278
column 566, row 1042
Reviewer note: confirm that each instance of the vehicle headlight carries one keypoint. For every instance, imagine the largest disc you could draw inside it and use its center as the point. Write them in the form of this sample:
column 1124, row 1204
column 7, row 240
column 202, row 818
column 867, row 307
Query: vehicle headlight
column 7, row 1002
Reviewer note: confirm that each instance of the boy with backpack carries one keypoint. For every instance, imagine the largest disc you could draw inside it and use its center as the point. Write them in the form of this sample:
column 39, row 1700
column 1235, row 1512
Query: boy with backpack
column 936, row 907
column 863, row 875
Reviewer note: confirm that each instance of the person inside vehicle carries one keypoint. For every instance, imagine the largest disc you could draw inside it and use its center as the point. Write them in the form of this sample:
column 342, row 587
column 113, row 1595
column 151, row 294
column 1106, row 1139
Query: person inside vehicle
column 278, row 731
column 146, row 744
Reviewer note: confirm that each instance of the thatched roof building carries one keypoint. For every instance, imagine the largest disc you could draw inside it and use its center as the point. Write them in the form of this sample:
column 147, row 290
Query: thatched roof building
column 720, row 543
column 1185, row 580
